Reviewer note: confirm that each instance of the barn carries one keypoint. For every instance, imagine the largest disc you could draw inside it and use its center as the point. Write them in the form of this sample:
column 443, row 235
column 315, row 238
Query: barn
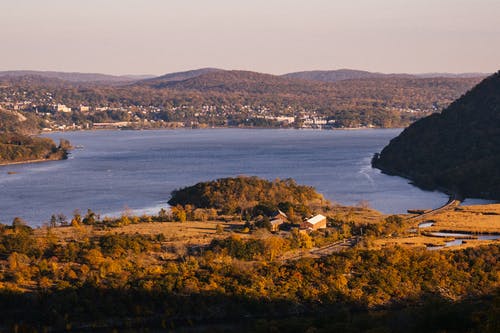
column 314, row 223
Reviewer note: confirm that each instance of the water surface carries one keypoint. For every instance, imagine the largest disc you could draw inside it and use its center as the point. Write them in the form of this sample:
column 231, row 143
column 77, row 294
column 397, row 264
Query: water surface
column 137, row 170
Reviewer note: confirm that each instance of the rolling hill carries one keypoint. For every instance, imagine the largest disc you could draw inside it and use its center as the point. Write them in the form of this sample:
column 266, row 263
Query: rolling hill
column 351, row 74
column 341, row 74
column 76, row 77
column 458, row 150
column 178, row 76
column 234, row 80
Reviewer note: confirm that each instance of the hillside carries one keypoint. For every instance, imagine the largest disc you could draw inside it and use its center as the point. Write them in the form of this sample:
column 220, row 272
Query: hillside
column 249, row 194
column 17, row 143
column 458, row 149
column 15, row 148
column 342, row 74
column 232, row 81
column 212, row 97
column 367, row 94
column 76, row 77
column 351, row 74
column 14, row 121
column 179, row 76
column 149, row 276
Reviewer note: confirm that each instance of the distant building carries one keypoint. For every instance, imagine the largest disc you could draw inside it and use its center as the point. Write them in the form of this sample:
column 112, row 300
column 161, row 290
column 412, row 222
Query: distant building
column 277, row 219
column 111, row 125
column 275, row 224
column 62, row 108
column 84, row 108
column 314, row 223
column 279, row 215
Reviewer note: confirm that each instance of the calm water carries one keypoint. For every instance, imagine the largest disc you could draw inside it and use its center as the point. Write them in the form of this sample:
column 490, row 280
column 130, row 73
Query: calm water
column 138, row 169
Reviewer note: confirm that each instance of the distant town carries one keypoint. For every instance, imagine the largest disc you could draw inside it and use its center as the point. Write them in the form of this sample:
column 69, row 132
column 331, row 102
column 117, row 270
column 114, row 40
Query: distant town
column 61, row 117
column 209, row 98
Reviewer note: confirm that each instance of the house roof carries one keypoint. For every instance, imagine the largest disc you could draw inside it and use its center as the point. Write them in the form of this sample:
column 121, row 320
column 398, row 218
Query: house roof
column 277, row 221
column 316, row 219
column 278, row 213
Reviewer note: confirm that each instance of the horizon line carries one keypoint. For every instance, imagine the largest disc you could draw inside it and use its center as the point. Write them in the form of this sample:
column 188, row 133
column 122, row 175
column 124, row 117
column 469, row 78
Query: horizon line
column 246, row 70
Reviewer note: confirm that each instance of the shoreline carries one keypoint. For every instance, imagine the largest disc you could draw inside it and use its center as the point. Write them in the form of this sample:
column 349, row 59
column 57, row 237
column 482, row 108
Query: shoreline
column 31, row 161
column 221, row 127
column 453, row 195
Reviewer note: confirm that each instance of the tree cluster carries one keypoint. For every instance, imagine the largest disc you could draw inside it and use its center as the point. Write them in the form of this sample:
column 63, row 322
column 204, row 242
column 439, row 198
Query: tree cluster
column 251, row 196
column 52, row 283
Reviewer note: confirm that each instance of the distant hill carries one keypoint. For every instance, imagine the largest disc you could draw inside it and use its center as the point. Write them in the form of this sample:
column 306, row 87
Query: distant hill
column 452, row 75
column 179, row 76
column 342, row 74
column 351, row 94
column 232, row 81
column 76, row 77
column 458, row 149
column 351, row 74
column 253, row 82
column 241, row 98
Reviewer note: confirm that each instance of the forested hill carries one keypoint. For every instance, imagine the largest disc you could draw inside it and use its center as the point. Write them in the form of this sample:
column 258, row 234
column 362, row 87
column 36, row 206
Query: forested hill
column 351, row 74
column 212, row 97
column 342, row 74
column 179, row 76
column 234, row 80
column 230, row 195
column 75, row 77
column 17, row 143
column 458, row 149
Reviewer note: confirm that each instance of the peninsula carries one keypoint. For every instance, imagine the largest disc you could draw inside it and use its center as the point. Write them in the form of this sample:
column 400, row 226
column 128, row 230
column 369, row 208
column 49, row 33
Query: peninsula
column 458, row 149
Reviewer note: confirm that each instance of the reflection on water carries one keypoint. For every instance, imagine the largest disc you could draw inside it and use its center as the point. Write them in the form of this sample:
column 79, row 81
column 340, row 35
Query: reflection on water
column 426, row 224
column 460, row 238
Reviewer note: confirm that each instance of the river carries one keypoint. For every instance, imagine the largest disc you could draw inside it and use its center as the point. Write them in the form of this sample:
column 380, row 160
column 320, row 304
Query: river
column 137, row 170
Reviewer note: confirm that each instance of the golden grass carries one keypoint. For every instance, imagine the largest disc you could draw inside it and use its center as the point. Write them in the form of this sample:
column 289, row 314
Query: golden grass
column 473, row 219
column 416, row 241
column 355, row 214
column 468, row 243
column 479, row 219
column 174, row 232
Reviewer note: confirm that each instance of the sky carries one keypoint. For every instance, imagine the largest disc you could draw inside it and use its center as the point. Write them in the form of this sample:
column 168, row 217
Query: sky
column 272, row 36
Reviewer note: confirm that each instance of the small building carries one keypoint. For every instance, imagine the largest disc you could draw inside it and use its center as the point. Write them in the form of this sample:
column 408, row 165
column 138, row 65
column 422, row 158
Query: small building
column 314, row 223
column 84, row 108
column 279, row 215
column 62, row 108
column 275, row 224
column 118, row 124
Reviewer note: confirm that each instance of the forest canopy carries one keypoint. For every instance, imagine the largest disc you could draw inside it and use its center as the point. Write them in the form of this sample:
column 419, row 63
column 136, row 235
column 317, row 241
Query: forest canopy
column 234, row 195
column 458, row 149
column 16, row 147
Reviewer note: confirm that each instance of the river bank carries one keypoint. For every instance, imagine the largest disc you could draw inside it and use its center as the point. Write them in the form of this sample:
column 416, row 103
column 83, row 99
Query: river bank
column 454, row 228
column 2, row 163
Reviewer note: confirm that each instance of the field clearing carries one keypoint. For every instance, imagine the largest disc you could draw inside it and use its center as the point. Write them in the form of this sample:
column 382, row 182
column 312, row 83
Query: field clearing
column 474, row 219
column 425, row 241
column 472, row 243
column 417, row 241
column 355, row 214
column 187, row 232
column 480, row 219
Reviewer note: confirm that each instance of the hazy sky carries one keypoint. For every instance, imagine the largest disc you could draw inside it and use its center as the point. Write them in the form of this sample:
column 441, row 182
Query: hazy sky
column 161, row 36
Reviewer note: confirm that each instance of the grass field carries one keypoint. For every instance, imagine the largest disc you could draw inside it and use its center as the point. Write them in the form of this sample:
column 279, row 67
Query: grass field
column 174, row 232
column 416, row 241
column 474, row 219
column 355, row 214
column 481, row 219
column 178, row 236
